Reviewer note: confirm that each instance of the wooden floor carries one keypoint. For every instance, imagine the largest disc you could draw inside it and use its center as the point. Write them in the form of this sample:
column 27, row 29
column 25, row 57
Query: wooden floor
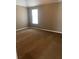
column 38, row 44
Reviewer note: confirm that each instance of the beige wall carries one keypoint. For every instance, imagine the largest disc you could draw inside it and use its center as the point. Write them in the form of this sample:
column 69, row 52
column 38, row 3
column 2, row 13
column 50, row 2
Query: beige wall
column 49, row 17
column 21, row 17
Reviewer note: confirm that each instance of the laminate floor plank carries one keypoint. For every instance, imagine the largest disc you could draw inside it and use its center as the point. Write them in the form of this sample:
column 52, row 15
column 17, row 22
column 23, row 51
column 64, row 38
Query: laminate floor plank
column 38, row 44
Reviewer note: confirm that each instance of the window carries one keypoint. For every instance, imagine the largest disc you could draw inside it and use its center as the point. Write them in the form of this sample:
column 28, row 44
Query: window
column 35, row 16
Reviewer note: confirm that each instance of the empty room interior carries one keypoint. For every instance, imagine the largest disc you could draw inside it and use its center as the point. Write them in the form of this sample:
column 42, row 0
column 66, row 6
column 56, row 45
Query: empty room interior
column 39, row 29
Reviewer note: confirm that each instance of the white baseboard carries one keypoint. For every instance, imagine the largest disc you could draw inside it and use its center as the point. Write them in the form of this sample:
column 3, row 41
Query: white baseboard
column 39, row 29
column 21, row 28
column 47, row 30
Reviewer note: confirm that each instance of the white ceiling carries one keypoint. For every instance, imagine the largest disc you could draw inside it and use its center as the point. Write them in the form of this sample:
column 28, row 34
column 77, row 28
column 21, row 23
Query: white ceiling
column 29, row 3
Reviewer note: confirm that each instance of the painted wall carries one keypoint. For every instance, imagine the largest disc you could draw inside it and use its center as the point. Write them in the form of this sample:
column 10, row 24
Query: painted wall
column 50, row 16
column 21, row 17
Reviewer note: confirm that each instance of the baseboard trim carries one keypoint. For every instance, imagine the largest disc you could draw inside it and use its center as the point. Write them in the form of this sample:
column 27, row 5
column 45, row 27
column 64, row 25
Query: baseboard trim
column 39, row 29
column 47, row 30
column 21, row 28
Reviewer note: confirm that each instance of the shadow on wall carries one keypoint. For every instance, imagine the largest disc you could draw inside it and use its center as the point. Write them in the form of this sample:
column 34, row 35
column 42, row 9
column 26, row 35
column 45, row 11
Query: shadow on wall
column 21, row 17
